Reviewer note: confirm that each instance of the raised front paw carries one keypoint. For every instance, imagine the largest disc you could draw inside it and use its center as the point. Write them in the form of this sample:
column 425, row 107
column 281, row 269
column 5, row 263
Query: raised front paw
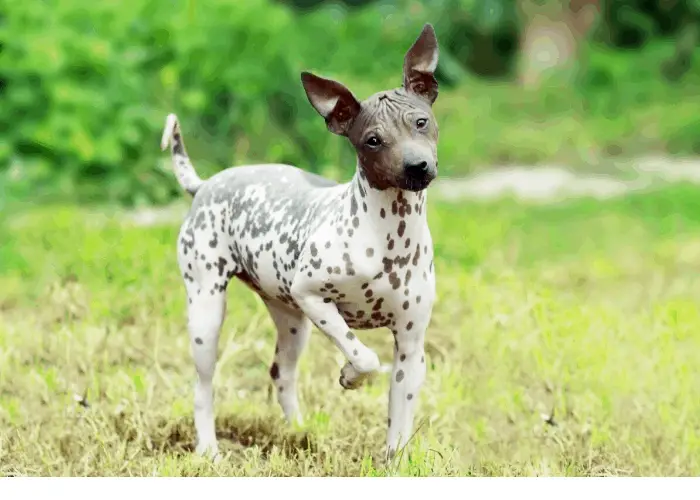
column 352, row 379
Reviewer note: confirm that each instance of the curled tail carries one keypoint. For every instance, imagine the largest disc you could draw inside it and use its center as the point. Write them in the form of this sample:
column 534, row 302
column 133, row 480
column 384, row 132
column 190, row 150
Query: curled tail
column 186, row 175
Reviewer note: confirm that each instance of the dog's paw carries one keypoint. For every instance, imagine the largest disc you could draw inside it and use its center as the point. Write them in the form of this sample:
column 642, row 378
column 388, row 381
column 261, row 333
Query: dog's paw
column 351, row 379
column 210, row 451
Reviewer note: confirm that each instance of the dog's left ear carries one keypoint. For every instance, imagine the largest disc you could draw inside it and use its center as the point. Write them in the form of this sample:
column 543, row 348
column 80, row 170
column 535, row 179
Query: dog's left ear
column 420, row 64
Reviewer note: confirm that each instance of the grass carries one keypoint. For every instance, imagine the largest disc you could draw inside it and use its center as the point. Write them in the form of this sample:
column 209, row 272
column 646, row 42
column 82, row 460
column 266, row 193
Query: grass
column 564, row 342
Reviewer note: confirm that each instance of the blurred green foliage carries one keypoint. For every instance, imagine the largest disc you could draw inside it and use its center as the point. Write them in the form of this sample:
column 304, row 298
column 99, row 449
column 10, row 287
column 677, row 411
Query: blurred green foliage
column 86, row 85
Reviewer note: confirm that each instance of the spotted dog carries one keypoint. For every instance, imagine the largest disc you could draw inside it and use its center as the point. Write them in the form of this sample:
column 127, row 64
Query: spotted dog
column 355, row 255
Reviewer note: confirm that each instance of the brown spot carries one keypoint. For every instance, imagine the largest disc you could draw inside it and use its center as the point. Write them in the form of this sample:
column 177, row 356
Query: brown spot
column 388, row 264
column 409, row 397
column 402, row 358
column 405, row 305
column 416, row 256
column 382, row 213
column 391, row 244
column 370, row 252
column 198, row 341
column 369, row 293
column 399, row 375
column 409, row 325
column 418, row 300
column 408, row 243
column 402, row 228
column 275, row 371
column 350, row 335
column 293, row 331
column 395, row 281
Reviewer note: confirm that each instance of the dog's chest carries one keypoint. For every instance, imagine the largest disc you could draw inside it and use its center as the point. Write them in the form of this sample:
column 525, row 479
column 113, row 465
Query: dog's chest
column 382, row 276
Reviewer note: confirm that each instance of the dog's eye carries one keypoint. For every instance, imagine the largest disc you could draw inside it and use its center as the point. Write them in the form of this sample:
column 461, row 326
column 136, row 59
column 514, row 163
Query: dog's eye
column 373, row 141
column 421, row 123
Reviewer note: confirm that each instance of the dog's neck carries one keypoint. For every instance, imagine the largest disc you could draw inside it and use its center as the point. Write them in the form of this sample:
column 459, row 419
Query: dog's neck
column 390, row 204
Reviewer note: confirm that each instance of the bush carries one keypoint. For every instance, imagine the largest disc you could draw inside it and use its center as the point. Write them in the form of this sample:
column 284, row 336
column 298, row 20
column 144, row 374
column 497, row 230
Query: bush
column 86, row 85
column 89, row 85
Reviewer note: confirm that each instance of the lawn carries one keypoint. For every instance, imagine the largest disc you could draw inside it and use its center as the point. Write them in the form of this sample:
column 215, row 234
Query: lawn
column 564, row 342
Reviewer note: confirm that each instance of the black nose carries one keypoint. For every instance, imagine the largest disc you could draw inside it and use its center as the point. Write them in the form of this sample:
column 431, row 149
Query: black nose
column 420, row 167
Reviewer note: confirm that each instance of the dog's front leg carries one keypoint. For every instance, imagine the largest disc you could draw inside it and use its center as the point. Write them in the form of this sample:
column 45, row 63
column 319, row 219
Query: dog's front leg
column 407, row 378
column 362, row 361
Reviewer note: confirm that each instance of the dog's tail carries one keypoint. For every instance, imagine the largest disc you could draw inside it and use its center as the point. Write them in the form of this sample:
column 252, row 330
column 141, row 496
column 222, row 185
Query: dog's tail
column 186, row 175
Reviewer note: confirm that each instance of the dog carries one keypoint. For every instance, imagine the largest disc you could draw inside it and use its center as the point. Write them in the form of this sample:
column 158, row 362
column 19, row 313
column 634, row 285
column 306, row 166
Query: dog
column 339, row 256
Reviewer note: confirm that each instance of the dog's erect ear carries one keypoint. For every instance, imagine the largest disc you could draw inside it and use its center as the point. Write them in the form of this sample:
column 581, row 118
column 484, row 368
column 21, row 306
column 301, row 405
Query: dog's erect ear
column 333, row 101
column 420, row 63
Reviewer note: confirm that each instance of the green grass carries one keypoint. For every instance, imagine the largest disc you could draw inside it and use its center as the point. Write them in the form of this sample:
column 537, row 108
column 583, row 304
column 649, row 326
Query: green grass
column 587, row 309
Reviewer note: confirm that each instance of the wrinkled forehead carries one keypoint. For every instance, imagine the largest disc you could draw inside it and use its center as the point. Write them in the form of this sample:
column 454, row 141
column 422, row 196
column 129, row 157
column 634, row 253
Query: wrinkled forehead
column 390, row 109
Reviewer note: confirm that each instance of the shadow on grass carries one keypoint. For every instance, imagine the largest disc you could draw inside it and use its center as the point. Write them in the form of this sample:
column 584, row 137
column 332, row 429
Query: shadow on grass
column 177, row 436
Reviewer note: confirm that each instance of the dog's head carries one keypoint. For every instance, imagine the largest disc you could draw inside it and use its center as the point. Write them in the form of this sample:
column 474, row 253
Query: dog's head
column 394, row 132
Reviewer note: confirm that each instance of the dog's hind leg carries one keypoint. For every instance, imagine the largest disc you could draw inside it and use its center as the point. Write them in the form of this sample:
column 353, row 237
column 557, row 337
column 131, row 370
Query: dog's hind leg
column 205, row 317
column 206, row 309
column 293, row 332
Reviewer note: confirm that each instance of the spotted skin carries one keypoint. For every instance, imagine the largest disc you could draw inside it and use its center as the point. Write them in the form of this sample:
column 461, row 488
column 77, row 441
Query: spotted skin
column 340, row 256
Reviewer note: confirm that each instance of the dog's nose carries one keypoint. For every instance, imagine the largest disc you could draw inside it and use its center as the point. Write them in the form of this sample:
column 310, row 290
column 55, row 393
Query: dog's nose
column 420, row 167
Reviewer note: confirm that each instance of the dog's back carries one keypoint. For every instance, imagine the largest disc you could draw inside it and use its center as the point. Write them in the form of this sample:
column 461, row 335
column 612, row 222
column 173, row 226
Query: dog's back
column 255, row 220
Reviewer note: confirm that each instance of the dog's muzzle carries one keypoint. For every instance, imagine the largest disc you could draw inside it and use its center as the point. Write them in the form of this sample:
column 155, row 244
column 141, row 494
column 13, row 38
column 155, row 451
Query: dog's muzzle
column 418, row 175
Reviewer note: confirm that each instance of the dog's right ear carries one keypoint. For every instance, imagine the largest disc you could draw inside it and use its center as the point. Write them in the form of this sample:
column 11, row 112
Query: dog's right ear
column 333, row 101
